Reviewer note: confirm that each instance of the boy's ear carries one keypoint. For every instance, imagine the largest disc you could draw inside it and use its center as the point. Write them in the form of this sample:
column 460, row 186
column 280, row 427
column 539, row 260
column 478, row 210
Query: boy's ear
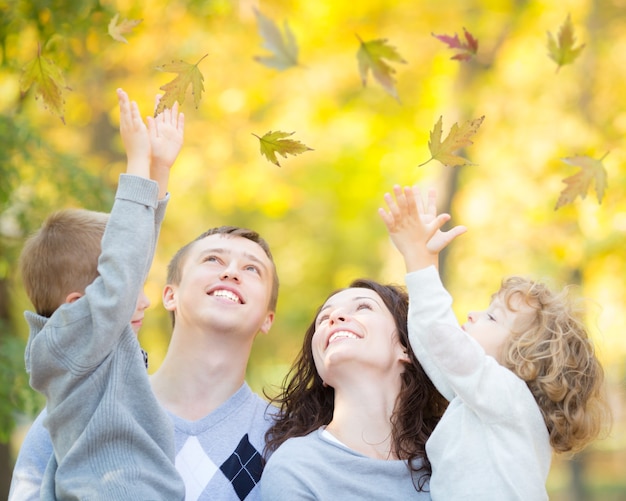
column 73, row 296
column 169, row 301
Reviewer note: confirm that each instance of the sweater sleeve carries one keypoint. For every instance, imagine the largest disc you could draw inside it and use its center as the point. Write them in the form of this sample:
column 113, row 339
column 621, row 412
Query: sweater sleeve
column 455, row 362
column 429, row 303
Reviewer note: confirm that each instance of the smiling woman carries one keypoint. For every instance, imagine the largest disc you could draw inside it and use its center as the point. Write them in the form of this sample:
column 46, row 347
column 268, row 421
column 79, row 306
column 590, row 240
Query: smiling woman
column 355, row 400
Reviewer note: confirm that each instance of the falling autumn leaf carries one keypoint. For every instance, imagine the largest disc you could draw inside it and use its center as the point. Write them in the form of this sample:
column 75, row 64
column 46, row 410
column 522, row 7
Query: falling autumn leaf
column 371, row 56
column 48, row 82
column 578, row 184
column 467, row 49
column 118, row 30
column 284, row 49
column 561, row 50
column 175, row 90
column 274, row 142
column 457, row 138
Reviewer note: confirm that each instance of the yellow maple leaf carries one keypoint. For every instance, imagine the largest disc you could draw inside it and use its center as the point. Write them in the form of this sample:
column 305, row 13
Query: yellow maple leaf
column 48, row 82
column 118, row 30
column 457, row 138
column 274, row 142
column 561, row 49
column 175, row 90
column 371, row 57
column 578, row 184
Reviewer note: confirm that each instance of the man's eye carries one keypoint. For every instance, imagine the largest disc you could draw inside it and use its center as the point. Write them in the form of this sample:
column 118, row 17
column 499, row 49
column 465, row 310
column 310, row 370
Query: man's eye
column 211, row 259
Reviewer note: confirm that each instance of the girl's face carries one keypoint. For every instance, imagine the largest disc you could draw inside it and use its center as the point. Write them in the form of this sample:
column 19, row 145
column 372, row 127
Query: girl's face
column 355, row 330
column 492, row 327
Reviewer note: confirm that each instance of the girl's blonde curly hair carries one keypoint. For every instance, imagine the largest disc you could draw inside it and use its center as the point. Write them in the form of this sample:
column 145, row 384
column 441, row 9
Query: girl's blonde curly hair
column 552, row 352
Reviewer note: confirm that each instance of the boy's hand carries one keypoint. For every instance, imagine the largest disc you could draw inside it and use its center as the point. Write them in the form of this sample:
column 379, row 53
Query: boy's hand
column 134, row 137
column 415, row 227
column 166, row 139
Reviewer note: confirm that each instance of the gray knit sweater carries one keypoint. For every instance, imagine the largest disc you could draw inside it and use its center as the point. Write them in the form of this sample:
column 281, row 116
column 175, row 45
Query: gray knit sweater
column 111, row 439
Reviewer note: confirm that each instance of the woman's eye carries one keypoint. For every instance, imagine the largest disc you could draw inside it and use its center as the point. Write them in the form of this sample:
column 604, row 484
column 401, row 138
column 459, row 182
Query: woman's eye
column 210, row 259
column 364, row 306
column 252, row 268
column 491, row 317
column 321, row 319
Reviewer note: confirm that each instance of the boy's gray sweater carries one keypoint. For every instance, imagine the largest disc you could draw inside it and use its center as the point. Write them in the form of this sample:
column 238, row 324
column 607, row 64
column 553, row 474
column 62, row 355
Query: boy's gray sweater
column 111, row 438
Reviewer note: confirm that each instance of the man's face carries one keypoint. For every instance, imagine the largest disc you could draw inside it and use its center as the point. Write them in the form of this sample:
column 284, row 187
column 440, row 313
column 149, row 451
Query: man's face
column 226, row 285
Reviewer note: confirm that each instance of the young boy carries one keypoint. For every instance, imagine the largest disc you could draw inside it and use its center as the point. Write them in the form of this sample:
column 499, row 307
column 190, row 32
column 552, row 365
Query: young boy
column 522, row 377
column 84, row 273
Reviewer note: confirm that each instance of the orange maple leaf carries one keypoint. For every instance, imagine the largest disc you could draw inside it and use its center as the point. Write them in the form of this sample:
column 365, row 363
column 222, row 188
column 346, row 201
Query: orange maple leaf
column 457, row 138
column 578, row 184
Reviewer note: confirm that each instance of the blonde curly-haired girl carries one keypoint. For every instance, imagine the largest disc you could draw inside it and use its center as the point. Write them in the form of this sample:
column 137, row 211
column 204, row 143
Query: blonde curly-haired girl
column 522, row 377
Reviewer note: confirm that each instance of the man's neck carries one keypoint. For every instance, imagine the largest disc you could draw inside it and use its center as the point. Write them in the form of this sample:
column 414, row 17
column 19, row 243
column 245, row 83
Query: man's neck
column 195, row 378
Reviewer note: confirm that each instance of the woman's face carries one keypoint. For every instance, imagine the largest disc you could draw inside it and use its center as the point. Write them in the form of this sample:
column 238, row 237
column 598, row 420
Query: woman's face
column 355, row 330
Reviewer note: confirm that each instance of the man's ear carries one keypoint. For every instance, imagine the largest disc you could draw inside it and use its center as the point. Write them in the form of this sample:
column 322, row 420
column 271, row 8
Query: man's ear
column 267, row 323
column 73, row 296
column 169, row 301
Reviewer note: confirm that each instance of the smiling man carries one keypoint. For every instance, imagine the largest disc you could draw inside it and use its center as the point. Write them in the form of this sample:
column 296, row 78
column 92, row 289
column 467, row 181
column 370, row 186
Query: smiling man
column 221, row 290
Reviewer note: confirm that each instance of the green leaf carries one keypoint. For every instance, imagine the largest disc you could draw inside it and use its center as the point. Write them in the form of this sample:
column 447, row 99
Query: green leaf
column 284, row 49
column 371, row 57
column 48, row 82
column 561, row 50
column 175, row 90
column 274, row 142
column 457, row 138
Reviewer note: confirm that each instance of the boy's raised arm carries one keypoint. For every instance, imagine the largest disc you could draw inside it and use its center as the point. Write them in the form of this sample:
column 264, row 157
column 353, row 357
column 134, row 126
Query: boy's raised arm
column 134, row 136
column 415, row 227
column 166, row 139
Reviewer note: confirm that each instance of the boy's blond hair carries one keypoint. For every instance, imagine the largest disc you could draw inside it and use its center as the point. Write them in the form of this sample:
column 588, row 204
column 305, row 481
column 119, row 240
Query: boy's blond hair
column 555, row 356
column 62, row 257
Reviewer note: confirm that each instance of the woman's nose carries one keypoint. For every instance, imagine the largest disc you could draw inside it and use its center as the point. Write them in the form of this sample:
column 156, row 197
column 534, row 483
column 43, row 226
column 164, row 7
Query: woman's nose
column 337, row 316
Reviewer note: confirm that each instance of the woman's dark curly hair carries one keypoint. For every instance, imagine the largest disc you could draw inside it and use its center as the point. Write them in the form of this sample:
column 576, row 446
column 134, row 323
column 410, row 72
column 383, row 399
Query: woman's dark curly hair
column 306, row 404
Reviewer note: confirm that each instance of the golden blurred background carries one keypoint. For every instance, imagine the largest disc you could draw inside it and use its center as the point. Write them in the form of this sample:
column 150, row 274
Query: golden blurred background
column 318, row 210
